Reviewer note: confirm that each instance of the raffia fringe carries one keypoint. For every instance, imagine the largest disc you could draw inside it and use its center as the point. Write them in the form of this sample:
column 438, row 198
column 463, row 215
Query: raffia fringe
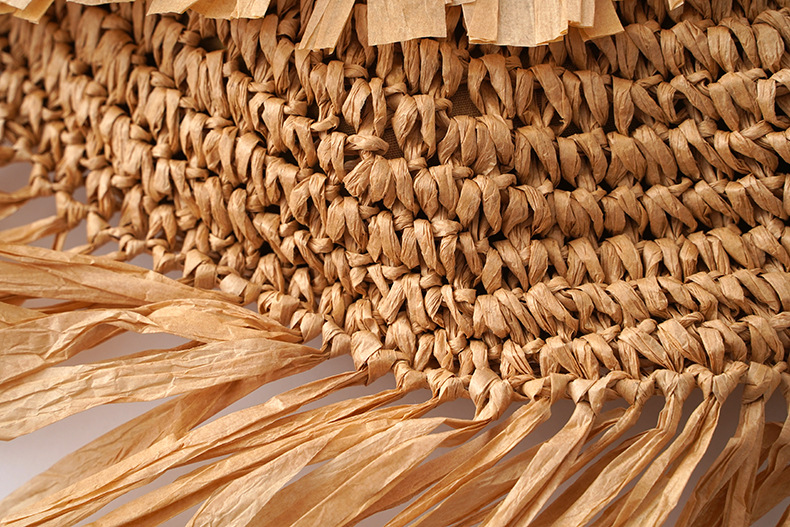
column 374, row 453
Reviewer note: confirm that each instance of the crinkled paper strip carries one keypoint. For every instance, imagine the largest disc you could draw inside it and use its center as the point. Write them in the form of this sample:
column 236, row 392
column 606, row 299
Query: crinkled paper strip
column 502, row 22
column 371, row 454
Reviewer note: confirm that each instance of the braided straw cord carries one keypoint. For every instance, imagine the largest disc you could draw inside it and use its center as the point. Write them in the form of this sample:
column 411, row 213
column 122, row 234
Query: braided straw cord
column 595, row 220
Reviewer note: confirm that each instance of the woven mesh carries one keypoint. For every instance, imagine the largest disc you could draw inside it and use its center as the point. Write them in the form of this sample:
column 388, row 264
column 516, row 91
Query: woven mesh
column 591, row 220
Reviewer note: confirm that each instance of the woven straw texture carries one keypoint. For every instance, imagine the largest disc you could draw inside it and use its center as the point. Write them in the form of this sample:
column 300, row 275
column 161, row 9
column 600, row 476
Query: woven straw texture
column 595, row 220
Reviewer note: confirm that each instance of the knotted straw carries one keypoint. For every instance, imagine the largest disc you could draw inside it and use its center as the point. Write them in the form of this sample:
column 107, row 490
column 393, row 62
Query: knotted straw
column 594, row 219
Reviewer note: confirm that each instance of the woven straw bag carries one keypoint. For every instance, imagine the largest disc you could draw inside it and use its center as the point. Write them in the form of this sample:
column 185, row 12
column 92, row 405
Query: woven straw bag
column 517, row 202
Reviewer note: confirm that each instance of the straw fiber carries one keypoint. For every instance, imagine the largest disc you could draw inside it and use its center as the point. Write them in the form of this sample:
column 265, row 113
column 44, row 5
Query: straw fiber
column 603, row 218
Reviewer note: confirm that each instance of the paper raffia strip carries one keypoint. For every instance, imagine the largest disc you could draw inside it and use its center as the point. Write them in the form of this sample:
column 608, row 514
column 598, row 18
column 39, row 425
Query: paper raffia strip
column 501, row 22
column 372, row 452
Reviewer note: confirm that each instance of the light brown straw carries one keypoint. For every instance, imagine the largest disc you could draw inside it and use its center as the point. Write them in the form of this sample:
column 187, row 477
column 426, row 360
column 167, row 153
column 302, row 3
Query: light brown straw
column 600, row 218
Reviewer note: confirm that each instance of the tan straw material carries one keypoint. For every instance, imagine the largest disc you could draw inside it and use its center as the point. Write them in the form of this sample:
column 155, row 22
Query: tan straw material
column 601, row 217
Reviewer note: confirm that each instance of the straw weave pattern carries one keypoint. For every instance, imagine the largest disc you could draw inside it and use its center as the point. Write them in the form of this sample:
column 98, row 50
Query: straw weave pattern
column 588, row 220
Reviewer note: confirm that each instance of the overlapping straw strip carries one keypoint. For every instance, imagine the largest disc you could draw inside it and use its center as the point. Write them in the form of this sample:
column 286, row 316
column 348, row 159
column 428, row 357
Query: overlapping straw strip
column 596, row 220
column 503, row 22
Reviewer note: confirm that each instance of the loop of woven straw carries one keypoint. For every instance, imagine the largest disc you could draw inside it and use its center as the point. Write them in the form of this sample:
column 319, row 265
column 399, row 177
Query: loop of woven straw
column 600, row 218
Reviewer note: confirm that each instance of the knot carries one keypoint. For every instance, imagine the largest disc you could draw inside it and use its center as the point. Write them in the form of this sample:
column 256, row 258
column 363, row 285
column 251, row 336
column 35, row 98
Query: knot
column 676, row 384
column 636, row 391
column 367, row 350
column 718, row 385
column 490, row 394
column 408, row 379
column 335, row 340
column 761, row 381
column 599, row 391
column 445, row 385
